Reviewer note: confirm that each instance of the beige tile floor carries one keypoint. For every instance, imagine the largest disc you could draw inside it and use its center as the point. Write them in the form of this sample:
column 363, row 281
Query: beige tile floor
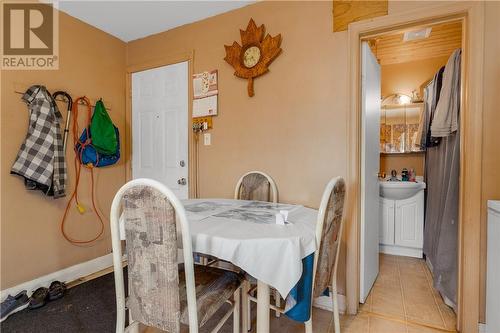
column 403, row 291
column 401, row 301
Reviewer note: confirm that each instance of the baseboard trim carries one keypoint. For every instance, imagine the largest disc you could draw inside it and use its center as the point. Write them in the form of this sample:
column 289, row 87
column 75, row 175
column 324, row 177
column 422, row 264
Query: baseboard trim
column 93, row 266
column 325, row 303
column 400, row 251
column 66, row 275
column 482, row 328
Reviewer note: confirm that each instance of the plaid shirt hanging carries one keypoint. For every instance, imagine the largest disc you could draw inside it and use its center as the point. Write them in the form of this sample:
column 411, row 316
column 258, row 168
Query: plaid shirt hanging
column 41, row 159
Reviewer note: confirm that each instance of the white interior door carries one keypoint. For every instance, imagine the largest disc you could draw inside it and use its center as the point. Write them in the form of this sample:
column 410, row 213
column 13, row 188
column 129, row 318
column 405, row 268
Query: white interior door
column 160, row 126
column 370, row 163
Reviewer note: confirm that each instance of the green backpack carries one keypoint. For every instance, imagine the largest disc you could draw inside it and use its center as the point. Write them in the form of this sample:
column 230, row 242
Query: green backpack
column 102, row 131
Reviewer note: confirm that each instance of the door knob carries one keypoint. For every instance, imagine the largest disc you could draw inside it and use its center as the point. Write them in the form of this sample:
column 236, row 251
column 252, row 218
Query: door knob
column 182, row 163
column 182, row 181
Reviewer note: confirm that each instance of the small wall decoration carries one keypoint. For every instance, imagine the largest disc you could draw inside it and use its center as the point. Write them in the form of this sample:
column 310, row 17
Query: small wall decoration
column 253, row 57
column 205, row 92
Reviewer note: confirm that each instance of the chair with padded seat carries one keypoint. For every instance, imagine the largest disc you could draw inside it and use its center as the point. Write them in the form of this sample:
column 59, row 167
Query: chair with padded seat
column 256, row 185
column 328, row 236
column 163, row 292
column 259, row 186
column 253, row 185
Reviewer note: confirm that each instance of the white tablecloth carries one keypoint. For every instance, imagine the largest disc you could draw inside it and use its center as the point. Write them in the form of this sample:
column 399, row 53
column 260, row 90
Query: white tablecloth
column 245, row 233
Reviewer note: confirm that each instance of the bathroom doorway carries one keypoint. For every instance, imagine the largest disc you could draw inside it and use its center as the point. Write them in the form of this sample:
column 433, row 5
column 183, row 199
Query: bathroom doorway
column 470, row 15
column 416, row 72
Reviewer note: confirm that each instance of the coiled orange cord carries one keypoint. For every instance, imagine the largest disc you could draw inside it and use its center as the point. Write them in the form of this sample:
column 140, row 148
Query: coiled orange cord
column 78, row 167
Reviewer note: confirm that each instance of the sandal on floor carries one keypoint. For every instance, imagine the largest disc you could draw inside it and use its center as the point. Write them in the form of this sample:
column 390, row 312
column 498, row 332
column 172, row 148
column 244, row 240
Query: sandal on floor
column 56, row 290
column 39, row 298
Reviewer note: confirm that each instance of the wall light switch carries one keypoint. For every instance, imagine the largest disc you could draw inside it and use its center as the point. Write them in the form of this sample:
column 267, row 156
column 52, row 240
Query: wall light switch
column 207, row 139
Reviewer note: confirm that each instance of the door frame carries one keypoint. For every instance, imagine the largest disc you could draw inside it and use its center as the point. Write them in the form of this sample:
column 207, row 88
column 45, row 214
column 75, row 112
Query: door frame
column 472, row 16
column 164, row 61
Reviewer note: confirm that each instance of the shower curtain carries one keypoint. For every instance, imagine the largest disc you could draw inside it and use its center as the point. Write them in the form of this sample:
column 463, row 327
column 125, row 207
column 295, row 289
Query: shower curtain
column 442, row 170
column 441, row 216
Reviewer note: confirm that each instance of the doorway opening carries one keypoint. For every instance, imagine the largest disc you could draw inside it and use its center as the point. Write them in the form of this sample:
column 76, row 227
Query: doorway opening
column 160, row 122
column 410, row 173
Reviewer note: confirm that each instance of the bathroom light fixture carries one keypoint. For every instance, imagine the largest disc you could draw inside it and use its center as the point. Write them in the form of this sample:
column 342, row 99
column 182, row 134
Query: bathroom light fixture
column 396, row 99
column 404, row 99
column 416, row 34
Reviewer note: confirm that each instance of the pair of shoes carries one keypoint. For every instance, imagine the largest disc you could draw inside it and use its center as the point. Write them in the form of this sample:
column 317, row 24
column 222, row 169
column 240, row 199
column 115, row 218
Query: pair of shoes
column 13, row 304
column 40, row 296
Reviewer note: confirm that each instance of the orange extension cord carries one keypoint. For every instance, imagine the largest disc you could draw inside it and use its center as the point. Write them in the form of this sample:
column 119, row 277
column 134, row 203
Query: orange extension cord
column 78, row 167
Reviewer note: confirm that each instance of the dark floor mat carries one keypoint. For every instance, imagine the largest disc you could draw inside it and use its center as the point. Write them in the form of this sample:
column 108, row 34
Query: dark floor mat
column 89, row 307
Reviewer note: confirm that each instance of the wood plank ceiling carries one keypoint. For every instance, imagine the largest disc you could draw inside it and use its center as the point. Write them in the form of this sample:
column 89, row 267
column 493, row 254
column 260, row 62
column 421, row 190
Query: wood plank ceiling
column 443, row 40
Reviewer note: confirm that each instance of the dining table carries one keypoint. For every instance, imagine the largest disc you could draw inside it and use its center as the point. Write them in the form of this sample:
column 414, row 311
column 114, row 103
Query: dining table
column 249, row 235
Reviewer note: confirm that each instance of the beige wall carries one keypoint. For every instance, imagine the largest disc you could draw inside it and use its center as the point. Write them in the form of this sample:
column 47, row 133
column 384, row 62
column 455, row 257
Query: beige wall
column 294, row 128
column 405, row 77
column 92, row 63
column 398, row 162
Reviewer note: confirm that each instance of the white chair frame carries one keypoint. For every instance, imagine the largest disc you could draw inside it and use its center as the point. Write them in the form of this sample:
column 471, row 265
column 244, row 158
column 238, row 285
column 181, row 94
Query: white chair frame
column 274, row 189
column 182, row 221
column 319, row 230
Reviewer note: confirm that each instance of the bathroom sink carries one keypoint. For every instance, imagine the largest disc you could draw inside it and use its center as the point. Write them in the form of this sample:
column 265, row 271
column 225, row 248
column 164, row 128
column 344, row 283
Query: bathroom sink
column 400, row 190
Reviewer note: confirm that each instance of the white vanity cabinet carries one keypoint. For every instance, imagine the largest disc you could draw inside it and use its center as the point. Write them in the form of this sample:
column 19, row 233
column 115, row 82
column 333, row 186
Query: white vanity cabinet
column 402, row 225
column 386, row 231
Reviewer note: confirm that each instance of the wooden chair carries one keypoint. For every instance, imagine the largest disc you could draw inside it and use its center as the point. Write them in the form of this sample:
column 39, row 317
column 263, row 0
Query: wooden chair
column 163, row 293
column 328, row 236
column 256, row 185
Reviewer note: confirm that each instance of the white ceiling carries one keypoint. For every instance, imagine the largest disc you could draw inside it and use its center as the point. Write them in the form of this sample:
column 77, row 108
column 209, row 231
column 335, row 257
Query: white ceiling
column 129, row 20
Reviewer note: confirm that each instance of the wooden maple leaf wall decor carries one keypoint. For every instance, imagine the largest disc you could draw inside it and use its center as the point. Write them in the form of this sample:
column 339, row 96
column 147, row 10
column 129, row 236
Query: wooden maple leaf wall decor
column 253, row 57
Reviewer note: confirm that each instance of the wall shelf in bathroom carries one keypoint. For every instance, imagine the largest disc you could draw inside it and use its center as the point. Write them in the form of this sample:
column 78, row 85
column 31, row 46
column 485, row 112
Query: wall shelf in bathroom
column 403, row 153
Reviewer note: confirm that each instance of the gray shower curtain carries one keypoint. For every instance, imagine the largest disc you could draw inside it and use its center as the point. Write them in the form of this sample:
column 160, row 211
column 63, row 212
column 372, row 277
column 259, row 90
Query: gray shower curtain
column 442, row 171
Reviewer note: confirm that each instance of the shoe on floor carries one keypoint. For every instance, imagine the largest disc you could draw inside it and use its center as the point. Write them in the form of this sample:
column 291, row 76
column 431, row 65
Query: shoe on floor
column 13, row 304
column 56, row 290
column 39, row 298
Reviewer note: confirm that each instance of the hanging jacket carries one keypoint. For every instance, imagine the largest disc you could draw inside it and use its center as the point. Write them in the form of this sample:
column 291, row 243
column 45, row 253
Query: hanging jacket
column 41, row 159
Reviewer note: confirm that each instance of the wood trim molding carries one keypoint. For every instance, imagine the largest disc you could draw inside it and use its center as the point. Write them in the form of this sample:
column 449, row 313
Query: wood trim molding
column 164, row 61
column 472, row 16
column 471, row 170
column 346, row 12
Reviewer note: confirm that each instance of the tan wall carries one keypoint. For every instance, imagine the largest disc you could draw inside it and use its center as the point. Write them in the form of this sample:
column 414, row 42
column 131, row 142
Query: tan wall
column 491, row 125
column 398, row 162
column 404, row 78
column 91, row 63
column 294, row 128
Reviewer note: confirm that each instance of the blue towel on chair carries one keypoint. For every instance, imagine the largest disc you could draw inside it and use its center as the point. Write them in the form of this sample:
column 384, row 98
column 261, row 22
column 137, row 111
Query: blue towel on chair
column 301, row 293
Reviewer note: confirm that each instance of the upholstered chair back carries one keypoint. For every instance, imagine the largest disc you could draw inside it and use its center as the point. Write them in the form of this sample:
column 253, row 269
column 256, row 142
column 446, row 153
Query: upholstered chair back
column 332, row 213
column 151, row 245
column 258, row 186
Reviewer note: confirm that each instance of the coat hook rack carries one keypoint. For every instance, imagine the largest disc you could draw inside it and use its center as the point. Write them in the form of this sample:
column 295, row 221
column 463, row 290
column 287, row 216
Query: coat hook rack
column 64, row 100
